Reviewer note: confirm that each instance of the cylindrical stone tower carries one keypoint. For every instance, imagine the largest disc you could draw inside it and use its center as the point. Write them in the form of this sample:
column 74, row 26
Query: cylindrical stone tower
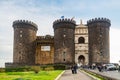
column 24, row 37
column 98, row 30
column 64, row 41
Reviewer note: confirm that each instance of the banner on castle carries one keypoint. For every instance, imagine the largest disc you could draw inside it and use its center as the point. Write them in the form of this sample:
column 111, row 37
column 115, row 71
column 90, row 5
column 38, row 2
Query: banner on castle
column 45, row 48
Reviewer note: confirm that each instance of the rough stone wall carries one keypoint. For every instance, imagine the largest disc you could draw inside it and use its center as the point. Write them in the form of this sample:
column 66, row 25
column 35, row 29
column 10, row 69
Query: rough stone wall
column 24, row 47
column 44, row 55
column 64, row 41
column 63, row 47
column 98, row 30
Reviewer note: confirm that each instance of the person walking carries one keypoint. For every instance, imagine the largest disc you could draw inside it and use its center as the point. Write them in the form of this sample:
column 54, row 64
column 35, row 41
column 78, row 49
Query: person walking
column 75, row 68
column 72, row 69
column 119, row 68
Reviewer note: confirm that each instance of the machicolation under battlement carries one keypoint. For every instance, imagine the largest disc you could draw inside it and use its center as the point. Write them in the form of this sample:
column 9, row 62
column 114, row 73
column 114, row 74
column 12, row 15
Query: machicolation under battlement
column 45, row 37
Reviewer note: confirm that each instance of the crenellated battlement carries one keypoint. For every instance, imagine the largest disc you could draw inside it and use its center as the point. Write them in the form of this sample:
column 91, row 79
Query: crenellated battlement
column 45, row 37
column 25, row 22
column 64, row 23
column 98, row 20
column 64, row 20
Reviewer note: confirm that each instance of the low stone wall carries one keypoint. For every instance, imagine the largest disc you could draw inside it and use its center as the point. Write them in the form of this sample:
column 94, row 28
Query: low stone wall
column 14, row 65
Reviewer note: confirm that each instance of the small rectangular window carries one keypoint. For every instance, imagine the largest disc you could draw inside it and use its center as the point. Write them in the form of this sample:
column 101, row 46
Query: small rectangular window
column 64, row 55
column 20, row 35
column 21, row 31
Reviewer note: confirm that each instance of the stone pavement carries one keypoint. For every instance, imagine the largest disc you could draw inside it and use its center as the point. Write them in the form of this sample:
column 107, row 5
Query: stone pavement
column 67, row 75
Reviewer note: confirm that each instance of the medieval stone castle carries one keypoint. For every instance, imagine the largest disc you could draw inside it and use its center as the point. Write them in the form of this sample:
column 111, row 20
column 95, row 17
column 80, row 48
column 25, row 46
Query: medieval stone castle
column 72, row 43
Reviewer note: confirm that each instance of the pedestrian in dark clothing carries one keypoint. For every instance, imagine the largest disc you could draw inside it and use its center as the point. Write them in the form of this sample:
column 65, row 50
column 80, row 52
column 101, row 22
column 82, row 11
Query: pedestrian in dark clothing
column 119, row 69
column 75, row 69
column 105, row 68
column 100, row 68
column 72, row 69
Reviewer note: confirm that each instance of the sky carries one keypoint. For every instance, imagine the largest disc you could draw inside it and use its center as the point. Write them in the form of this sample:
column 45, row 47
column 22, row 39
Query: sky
column 45, row 12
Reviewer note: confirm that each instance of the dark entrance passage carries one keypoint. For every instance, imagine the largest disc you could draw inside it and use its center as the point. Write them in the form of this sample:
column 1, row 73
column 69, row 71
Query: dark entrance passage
column 81, row 60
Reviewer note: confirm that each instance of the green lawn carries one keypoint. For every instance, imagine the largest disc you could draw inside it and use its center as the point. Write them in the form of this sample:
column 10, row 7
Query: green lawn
column 42, row 75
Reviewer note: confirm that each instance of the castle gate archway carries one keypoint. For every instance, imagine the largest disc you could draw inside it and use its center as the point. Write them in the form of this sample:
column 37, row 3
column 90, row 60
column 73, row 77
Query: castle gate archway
column 81, row 60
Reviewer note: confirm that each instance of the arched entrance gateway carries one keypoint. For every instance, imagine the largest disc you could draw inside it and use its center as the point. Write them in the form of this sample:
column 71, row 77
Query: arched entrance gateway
column 81, row 60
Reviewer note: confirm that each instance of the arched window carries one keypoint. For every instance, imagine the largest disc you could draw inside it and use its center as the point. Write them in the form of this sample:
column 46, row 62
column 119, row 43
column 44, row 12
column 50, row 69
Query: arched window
column 81, row 40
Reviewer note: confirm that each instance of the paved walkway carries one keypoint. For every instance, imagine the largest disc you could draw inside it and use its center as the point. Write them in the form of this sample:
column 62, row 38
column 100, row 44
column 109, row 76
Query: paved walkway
column 67, row 75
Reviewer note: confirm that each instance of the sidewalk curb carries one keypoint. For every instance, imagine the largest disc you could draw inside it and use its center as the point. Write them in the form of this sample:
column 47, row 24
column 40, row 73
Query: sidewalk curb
column 57, row 78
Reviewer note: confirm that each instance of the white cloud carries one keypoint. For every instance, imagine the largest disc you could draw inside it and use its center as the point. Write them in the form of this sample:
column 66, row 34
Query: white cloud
column 114, row 45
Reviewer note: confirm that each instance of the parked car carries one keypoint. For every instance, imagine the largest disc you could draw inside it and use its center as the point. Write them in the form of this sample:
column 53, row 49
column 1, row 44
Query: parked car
column 111, row 67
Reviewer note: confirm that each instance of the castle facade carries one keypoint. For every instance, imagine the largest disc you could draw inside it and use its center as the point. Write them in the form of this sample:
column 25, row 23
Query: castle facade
column 72, row 43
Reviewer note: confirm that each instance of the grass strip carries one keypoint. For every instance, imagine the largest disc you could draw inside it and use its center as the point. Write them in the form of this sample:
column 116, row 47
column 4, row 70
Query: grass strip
column 93, row 75
column 42, row 75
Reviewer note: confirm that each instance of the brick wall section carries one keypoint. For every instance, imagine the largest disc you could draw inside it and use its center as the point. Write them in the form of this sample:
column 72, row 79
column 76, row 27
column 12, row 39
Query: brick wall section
column 44, row 56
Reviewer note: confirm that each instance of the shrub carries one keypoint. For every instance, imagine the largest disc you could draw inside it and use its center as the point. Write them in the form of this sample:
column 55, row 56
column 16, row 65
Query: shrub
column 18, row 69
column 59, row 67
column 2, row 69
column 53, row 67
column 48, row 68
column 36, row 69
